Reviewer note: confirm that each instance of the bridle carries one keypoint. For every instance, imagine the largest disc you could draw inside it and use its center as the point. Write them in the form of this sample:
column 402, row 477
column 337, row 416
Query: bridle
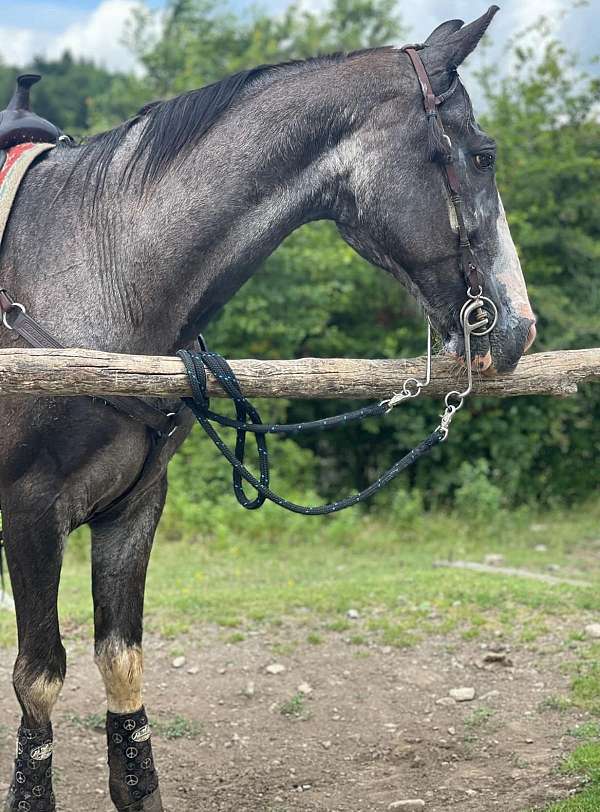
column 474, row 318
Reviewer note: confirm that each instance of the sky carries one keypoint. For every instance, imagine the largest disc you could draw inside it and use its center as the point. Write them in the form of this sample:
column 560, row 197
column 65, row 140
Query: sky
column 94, row 28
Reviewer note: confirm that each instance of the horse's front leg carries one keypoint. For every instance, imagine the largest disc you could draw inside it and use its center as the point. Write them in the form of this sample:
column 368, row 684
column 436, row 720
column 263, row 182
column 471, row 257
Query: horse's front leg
column 121, row 545
column 34, row 541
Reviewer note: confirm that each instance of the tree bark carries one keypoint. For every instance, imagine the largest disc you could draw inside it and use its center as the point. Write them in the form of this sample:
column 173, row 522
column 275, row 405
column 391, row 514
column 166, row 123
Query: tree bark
column 89, row 372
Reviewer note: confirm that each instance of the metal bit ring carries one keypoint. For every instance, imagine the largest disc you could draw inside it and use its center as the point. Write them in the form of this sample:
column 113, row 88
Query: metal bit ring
column 485, row 327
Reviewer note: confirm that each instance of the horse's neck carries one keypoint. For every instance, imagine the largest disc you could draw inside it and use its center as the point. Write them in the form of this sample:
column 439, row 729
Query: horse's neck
column 143, row 273
column 259, row 174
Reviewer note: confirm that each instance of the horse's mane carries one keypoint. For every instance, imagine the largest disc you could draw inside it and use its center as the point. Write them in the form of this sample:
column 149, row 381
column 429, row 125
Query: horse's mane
column 171, row 126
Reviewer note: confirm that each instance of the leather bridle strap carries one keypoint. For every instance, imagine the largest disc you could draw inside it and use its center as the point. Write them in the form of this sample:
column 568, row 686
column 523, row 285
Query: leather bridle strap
column 14, row 317
column 431, row 102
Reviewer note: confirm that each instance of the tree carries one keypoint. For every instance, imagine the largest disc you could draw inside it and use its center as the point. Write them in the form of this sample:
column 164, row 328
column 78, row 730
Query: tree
column 200, row 41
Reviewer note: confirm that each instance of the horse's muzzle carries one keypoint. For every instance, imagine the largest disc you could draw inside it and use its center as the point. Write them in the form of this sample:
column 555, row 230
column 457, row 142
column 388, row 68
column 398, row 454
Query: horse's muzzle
column 499, row 351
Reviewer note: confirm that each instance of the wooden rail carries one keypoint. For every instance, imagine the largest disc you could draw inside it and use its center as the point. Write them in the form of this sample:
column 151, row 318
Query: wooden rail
column 89, row 372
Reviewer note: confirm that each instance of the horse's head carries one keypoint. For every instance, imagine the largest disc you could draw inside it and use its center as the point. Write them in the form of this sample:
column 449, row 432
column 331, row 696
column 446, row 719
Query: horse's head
column 402, row 216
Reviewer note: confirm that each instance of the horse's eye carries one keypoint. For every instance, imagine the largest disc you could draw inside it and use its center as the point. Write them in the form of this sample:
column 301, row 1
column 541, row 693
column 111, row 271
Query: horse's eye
column 484, row 160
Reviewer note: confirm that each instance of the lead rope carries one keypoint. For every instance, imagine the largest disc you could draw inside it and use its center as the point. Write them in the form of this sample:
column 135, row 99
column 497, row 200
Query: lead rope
column 196, row 364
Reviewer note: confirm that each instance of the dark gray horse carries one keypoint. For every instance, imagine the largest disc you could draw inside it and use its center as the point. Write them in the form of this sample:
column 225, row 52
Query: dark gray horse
column 133, row 241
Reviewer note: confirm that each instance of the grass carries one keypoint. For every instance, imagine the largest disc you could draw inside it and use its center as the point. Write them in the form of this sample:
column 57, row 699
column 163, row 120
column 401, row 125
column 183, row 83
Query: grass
column 317, row 569
column 585, row 686
column 478, row 718
column 176, row 727
column 235, row 584
column 295, row 707
column 584, row 761
column 299, row 577
column 562, row 704
column 588, row 801
column 93, row 721
column 587, row 730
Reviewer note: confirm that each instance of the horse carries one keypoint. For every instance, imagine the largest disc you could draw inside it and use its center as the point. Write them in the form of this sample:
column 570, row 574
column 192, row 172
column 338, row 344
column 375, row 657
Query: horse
column 131, row 241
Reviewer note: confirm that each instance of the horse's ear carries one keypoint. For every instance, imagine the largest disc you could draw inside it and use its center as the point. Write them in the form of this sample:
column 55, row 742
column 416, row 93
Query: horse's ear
column 454, row 49
column 443, row 31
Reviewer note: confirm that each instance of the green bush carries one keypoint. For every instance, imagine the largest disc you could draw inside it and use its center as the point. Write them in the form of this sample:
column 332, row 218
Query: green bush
column 476, row 496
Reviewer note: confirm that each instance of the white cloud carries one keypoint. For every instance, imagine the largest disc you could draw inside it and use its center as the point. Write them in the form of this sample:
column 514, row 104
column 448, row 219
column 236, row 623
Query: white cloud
column 97, row 35
column 20, row 44
column 527, row 14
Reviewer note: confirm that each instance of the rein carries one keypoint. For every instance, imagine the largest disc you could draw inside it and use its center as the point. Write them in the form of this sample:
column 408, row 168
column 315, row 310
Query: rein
column 248, row 420
column 196, row 365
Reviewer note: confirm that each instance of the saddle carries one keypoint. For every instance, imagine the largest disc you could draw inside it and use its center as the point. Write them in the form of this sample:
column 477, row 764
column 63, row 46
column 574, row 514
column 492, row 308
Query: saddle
column 19, row 124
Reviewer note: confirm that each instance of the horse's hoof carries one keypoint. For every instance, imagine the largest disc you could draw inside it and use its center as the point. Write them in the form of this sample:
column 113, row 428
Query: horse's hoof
column 15, row 803
column 151, row 803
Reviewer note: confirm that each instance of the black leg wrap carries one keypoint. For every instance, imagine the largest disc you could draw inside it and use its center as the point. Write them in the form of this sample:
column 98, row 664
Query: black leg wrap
column 133, row 778
column 31, row 787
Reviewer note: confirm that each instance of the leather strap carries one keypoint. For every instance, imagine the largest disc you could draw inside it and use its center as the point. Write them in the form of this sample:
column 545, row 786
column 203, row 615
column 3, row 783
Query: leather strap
column 431, row 102
column 429, row 98
column 5, row 302
column 16, row 318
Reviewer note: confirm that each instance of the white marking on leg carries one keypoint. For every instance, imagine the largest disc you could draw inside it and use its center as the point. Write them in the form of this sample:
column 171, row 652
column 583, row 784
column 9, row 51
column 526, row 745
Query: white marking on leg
column 38, row 697
column 121, row 667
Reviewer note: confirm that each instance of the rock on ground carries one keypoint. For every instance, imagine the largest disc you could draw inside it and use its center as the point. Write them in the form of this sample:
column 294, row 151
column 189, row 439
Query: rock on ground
column 462, row 694
column 275, row 668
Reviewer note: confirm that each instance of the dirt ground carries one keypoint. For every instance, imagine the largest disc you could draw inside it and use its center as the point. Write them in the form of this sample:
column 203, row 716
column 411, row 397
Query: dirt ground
column 370, row 732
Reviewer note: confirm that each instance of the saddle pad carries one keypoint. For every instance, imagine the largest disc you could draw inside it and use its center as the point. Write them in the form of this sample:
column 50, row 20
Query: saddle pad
column 18, row 160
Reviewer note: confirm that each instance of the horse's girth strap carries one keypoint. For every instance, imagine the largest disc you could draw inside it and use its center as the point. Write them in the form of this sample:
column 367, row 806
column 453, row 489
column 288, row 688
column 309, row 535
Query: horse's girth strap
column 34, row 334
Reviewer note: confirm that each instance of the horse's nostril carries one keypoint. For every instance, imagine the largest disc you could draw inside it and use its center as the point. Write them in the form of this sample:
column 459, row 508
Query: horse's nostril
column 530, row 337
